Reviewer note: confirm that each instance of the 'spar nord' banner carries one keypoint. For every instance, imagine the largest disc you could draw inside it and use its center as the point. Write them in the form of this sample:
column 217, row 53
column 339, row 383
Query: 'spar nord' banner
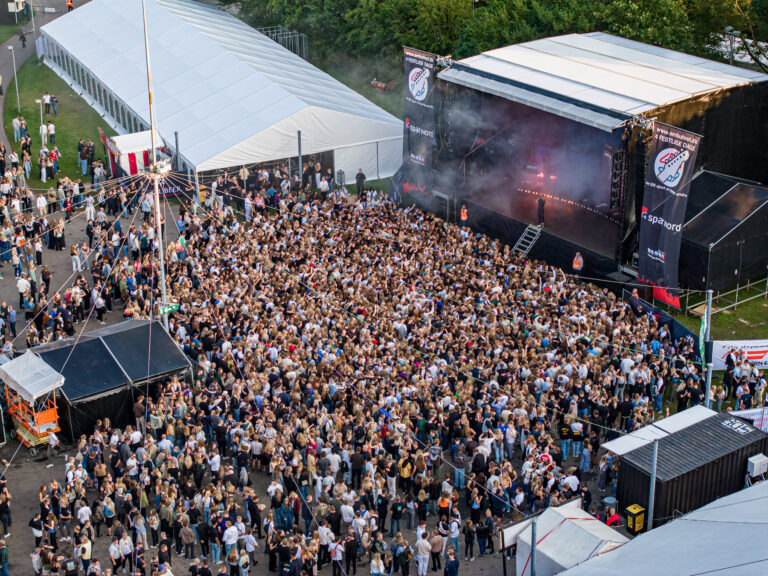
column 755, row 351
column 419, row 125
column 671, row 160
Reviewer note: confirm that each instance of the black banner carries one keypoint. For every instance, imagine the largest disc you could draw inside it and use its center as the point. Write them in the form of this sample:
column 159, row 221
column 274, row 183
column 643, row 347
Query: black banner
column 671, row 161
column 419, row 125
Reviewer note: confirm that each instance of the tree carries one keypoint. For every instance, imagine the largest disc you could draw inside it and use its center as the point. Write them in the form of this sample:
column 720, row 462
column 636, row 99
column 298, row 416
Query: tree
column 497, row 23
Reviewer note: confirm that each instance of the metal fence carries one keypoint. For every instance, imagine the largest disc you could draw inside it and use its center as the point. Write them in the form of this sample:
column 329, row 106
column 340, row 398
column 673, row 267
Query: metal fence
column 295, row 41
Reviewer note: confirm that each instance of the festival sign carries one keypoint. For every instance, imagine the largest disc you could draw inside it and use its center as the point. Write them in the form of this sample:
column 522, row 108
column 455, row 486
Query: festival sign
column 671, row 162
column 419, row 124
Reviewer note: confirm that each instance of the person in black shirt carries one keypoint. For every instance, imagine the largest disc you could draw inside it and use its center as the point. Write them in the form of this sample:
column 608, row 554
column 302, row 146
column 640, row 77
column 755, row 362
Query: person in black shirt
column 382, row 507
column 397, row 513
column 683, row 394
column 351, row 543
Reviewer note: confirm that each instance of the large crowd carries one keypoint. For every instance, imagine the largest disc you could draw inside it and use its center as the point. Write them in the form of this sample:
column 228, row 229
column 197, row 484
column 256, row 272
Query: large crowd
column 401, row 385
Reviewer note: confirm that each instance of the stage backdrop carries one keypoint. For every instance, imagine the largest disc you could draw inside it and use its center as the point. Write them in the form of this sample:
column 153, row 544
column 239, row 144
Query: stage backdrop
column 671, row 161
column 419, row 125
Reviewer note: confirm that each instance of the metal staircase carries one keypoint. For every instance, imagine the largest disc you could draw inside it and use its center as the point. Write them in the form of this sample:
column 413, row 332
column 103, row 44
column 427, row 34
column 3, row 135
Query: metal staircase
column 527, row 240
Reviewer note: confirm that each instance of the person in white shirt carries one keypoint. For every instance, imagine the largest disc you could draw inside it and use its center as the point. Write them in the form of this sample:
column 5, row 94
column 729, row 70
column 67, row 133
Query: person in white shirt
column 44, row 134
column 84, row 514
column 53, row 442
column 51, row 133
column 42, row 203
column 230, row 537
column 115, row 555
column 16, row 123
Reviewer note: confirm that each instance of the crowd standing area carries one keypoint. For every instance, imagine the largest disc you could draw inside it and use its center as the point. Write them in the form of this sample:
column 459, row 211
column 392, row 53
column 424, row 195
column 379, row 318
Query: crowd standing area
column 373, row 390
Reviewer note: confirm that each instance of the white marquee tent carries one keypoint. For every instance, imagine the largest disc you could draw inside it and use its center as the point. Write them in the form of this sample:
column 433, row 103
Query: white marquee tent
column 234, row 96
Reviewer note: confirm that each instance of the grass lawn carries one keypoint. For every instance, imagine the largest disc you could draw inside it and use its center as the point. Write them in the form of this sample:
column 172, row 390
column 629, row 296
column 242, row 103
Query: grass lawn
column 76, row 119
column 9, row 30
column 749, row 321
column 358, row 71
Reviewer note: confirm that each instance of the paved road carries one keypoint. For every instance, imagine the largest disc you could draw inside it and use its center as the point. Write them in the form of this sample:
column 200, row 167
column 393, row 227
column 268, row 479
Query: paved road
column 6, row 60
column 25, row 477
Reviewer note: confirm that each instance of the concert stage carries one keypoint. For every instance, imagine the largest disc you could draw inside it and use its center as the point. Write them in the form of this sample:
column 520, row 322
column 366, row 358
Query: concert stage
column 571, row 117
column 567, row 219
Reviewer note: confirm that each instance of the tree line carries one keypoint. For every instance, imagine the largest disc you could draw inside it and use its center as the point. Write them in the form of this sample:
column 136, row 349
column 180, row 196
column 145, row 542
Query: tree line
column 463, row 28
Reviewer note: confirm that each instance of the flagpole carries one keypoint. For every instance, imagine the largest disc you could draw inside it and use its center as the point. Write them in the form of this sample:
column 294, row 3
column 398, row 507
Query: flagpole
column 708, row 322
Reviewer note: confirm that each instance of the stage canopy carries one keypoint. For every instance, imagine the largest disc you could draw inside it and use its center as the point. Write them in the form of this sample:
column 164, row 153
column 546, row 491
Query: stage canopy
column 595, row 78
column 726, row 220
column 102, row 367
column 30, row 377
column 234, row 96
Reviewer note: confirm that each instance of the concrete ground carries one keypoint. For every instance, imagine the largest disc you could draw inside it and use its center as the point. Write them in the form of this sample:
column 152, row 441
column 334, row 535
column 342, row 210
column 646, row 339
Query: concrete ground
column 26, row 476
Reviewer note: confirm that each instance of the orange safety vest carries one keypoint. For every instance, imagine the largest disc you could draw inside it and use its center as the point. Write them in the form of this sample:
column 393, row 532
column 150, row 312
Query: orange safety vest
column 463, row 213
column 578, row 263
column 70, row 4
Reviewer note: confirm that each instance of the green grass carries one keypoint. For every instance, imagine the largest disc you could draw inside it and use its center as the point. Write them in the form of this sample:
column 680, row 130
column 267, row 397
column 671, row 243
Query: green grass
column 358, row 71
column 749, row 320
column 7, row 31
column 76, row 119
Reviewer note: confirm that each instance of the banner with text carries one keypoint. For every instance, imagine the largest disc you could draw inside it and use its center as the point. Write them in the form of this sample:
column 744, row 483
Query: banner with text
column 756, row 352
column 671, row 160
column 419, row 124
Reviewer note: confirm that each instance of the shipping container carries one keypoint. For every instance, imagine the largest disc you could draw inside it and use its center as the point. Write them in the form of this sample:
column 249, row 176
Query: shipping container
column 695, row 465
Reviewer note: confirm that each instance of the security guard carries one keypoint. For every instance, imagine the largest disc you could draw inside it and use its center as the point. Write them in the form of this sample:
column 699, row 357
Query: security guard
column 578, row 264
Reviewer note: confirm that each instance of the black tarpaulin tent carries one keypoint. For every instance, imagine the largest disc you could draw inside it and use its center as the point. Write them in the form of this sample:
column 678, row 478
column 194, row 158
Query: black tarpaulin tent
column 726, row 227
column 103, row 369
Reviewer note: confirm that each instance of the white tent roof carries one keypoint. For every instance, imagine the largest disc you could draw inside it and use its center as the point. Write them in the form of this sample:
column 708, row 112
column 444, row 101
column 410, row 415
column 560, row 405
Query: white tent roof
column 30, row 377
column 235, row 96
column 658, row 430
column 572, row 536
column 595, row 78
column 137, row 141
column 726, row 536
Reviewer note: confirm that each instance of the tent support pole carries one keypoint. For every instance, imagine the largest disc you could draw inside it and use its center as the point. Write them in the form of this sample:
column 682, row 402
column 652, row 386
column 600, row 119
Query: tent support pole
column 708, row 392
column 301, row 165
column 652, row 490
column 197, row 193
column 176, row 156
column 503, row 553
column 533, row 545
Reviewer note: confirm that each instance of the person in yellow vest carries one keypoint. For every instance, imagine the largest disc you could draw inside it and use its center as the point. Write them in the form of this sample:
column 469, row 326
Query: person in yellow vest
column 578, row 264
column 464, row 216
column 70, row 5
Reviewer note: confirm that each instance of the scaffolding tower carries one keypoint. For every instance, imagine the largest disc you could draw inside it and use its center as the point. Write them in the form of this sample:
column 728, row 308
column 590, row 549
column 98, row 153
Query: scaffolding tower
column 295, row 41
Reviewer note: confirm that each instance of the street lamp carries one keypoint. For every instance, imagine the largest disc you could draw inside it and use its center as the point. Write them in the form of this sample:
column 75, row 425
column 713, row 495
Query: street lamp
column 34, row 30
column 38, row 101
column 15, row 80
column 732, row 34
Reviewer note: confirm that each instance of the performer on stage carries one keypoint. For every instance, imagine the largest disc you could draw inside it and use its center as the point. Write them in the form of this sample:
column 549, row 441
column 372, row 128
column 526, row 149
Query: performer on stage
column 541, row 210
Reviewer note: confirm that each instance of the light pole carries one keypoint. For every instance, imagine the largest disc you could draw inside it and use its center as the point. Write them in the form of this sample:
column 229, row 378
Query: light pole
column 15, row 80
column 34, row 30
column 156, row 172
column 732, row 34
column 38, row 101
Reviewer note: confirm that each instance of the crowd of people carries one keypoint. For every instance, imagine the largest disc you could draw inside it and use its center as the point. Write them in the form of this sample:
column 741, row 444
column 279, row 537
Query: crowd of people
column 372, row 386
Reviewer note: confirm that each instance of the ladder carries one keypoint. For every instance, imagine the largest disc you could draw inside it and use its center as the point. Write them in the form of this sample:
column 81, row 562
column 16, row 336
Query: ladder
column 527, row 240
